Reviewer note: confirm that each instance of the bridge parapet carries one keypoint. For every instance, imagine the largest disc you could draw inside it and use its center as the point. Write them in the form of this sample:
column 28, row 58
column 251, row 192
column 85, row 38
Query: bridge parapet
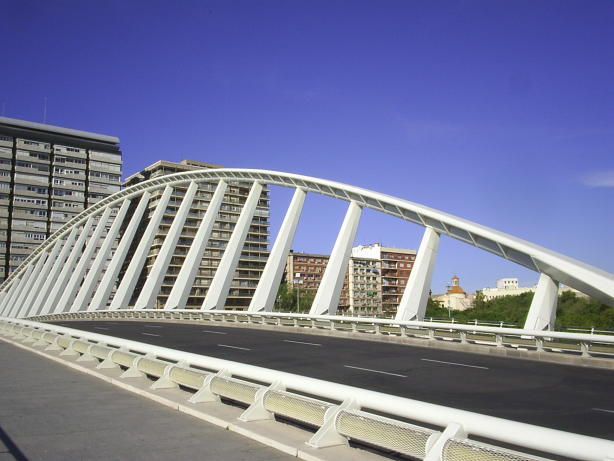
column 338, row 412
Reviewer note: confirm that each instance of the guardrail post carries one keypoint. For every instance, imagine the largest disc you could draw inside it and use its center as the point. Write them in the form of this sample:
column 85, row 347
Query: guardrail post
column 327, row 435
column 539, row 343
column 435, row 451
column 256, row 411
column 499, row 340
column 165, row 381
column 377, row 328
column 431, row 333
column 463, row 337
column 585, row 348
column 355, row 327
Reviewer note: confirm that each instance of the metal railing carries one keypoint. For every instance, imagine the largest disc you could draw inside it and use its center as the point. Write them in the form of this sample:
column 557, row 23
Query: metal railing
column 584, row 345
column 338, row 412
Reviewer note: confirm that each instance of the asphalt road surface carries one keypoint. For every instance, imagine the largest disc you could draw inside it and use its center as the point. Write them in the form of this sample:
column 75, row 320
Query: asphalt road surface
column 568, row 398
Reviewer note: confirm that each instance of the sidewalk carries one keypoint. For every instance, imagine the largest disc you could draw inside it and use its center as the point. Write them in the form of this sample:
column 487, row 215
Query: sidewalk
column 50, row 412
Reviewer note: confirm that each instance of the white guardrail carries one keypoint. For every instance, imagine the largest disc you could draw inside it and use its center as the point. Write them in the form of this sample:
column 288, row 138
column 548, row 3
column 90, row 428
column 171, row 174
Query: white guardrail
column 338, row 412
column 582, row 344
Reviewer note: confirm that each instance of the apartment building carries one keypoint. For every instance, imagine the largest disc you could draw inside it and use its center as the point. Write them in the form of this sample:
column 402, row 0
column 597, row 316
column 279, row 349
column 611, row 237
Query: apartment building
column 255, row 251
column 374, row 281
column 396, row 265
column 49, row 174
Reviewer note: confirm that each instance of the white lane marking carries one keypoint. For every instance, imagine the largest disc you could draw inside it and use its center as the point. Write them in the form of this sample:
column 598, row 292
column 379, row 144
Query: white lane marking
column 457, row 364
column 234, row 347
column 215, row 332
column 152, row 326
column 301, row 342
column 603, row 409
column 375, row 371
column 100, row 328
column 149, row 334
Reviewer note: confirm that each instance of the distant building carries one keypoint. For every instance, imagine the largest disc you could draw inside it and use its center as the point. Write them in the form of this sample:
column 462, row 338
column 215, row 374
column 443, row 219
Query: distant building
column 374, row 282
column 455, row 298
column 396, row 265
column 509, row 287
column 48, row 175
column 255, row 251
column 505, row 287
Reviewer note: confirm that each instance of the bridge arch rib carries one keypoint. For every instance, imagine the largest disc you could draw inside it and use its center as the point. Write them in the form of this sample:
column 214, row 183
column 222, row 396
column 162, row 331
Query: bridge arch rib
column 53, row 278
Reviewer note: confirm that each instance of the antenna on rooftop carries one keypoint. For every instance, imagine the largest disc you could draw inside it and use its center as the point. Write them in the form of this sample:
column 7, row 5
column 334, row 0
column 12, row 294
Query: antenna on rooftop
column 45, row 111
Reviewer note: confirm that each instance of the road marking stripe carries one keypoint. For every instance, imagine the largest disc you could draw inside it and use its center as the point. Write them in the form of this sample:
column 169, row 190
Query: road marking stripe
column 152, row 326
column 375, row 371
column 215, row 332
column 100, row 328
column 603, row 409
column 301, row 342
column 457, row 364
column 234, row 347
column 149, row 334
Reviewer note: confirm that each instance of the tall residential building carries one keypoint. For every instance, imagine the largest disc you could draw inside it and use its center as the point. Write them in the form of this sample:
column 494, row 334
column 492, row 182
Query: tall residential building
column 49, row 174
column 396, row 265
column 255, row 251
column 374, row 281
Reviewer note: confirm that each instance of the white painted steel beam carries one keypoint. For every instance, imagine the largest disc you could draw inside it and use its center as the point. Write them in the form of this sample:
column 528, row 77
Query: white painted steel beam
column 84, row 261
column 264, row 296
column 13, row 306
column 42, row 277
column 40, row 302
column 32, row 280
column 329, row 292
column 91, row 279
column 153, row 283
column 9, row 294
column 185, row 279
column 101, row 295
column 542, row 313
column 59, row 286
column 220, row 285
column 126, row 287
column 416, row 294
column 12, row 295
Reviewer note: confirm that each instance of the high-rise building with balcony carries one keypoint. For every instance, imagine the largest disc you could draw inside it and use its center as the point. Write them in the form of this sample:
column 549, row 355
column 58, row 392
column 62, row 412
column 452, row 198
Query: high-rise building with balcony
column 255, row 251
column 49, row 174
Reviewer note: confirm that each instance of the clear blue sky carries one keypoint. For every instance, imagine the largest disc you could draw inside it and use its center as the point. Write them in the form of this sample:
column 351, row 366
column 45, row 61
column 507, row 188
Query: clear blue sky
column 497, row 111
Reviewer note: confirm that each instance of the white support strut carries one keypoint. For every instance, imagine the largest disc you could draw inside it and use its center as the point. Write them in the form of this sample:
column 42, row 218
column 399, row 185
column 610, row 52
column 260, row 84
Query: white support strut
column 59, row 285
column 81, row 267
column 327, row 297
column 40, row 280
column 33, row 280
column 39, row 302
column 89, row 284
column 126, row 287
column 416, row 294
column 542, row 313
column 153, row 283
column 266, row 291
column 101, row 295
column 185, row 279
column 220, row 285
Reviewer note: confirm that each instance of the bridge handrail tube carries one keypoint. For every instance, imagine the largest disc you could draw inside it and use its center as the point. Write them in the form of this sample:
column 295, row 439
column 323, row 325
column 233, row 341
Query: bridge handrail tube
column 525, row 435
column 426, row 325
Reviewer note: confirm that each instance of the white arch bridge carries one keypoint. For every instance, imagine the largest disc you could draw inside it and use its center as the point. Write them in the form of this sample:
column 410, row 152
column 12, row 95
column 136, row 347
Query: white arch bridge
column 69, row 273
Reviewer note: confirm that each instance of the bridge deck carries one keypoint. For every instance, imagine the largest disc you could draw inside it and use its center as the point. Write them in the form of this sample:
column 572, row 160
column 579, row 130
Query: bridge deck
column 49, row 412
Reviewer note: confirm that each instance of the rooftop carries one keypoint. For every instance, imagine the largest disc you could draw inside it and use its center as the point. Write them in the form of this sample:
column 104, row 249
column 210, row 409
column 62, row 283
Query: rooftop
column 51, row 129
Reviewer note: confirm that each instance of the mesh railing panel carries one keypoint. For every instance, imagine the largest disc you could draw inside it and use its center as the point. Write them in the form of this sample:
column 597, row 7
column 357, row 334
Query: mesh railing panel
column 297, row 407
column 467, row 450
column 234, row 389
column 383, row 432
column 188, row 378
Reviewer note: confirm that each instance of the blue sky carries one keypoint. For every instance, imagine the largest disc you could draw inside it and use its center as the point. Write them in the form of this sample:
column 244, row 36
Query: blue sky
column 497, row 111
